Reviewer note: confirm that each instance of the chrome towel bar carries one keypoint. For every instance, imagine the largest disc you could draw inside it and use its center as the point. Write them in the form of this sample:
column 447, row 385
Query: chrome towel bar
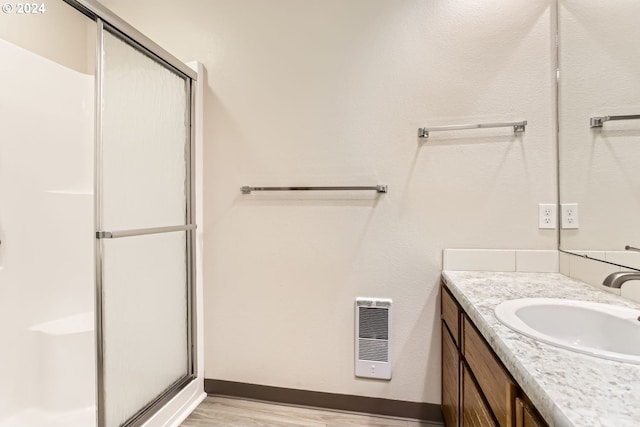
column 597, row 122
column 517, row 127
column 376, row 188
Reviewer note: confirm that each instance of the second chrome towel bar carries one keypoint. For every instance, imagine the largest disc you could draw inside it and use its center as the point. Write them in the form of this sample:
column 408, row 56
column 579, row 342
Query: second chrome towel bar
column 517, row 127
column 376, row 188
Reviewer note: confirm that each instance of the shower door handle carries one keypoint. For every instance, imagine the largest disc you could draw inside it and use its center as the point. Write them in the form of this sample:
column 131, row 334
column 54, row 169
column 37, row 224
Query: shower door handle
column 143, row 231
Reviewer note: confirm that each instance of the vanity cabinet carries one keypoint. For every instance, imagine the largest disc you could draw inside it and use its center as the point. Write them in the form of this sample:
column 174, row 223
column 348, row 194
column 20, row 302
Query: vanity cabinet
column 477, row 390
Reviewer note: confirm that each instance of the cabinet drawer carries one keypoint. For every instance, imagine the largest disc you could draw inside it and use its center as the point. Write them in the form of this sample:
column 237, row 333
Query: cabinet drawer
column 475, row 412
column 493, row 379
column 450, row 313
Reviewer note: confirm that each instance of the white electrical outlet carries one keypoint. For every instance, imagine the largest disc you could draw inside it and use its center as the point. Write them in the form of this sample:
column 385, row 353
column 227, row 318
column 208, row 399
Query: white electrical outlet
column 569, row 215
column 547, row 216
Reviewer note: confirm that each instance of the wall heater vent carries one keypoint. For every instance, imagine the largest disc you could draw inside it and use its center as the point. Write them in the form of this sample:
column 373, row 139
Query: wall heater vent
column 373, row 338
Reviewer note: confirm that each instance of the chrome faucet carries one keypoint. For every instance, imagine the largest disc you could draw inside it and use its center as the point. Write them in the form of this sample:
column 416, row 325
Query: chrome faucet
column 617, row 279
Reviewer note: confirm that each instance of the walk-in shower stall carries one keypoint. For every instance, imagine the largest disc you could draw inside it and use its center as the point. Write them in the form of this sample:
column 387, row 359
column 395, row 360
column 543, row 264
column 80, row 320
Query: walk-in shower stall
column 97, row 222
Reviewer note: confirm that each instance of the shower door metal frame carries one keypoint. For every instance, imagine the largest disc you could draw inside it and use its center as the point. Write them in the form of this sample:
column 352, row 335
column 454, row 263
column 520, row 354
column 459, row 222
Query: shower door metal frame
column 95, row 11
column 108, row 21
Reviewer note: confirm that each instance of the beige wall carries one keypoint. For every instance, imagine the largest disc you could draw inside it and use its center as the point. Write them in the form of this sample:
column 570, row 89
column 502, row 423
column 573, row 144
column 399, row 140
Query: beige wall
column 60, row 34
column 331, row 92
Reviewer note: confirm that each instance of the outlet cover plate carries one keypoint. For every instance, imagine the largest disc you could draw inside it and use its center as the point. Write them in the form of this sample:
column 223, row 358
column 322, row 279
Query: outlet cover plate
column 547, row 215
column 569, row 215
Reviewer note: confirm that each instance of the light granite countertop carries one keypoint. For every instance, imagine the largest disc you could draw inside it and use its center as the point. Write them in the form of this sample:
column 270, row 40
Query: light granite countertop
column 569, row 389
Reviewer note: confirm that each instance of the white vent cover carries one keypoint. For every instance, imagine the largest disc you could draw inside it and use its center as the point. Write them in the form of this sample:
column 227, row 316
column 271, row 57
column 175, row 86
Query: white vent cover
column 373, row 338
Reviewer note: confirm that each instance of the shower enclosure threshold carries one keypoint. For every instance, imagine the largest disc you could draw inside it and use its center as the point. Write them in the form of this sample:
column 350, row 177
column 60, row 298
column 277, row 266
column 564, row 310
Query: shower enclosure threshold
column 85, row 417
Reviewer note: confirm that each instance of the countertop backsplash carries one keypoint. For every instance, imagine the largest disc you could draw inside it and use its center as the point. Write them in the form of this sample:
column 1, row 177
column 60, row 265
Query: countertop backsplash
column 589, row 271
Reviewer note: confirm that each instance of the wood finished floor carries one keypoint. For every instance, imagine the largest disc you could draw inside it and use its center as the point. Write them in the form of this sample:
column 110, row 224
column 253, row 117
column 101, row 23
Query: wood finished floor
column 227, row 412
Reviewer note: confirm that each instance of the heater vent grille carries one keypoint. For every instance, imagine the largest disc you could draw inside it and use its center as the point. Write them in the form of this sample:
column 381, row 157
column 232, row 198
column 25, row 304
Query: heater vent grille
column 374, row 350
column 374, row 323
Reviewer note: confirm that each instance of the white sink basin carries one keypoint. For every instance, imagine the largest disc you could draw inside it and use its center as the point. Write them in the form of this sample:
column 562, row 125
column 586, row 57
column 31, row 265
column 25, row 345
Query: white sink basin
column 600, row 330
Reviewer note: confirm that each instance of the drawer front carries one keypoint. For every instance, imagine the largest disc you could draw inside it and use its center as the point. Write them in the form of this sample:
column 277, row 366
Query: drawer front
column 450, row 379
column 495, row 382
column 475, row 412
column 450, row 313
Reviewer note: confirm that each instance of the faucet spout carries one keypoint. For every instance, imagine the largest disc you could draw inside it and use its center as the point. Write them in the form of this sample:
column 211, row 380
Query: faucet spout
column 617, row 279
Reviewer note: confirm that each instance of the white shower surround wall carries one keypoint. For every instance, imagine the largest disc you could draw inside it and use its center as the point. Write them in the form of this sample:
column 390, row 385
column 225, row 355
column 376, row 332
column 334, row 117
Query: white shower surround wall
column 46, row 224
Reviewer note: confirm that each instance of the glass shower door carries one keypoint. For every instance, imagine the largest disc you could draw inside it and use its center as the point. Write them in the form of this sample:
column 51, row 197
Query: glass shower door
column 144, row 228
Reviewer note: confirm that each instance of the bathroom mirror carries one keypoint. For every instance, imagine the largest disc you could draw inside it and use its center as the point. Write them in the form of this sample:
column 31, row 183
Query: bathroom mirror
column 599, row 129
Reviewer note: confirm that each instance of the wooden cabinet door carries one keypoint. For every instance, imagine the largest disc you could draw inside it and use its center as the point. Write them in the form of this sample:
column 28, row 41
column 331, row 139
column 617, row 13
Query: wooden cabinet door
column 526, row 416
column 494, row 381
column 450, row 380
column 475, row 412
